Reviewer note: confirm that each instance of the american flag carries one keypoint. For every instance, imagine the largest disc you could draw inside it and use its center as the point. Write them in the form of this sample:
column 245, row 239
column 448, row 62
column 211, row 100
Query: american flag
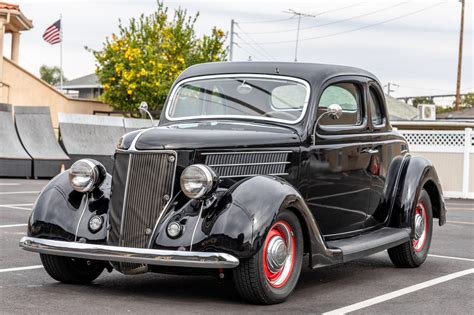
column 52, row 34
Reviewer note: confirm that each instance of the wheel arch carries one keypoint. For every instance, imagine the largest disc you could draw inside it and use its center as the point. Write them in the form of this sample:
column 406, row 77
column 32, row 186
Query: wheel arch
column 418, row 173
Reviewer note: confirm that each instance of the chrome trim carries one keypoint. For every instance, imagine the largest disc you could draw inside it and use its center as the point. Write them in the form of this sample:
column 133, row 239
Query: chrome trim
column 239, row 75
column 134, row 141
column 147, row 256
column 195, row 226
column 244, row 152
column 124, row 199
column 250, row 164
column 250, row 175
column 86, row 205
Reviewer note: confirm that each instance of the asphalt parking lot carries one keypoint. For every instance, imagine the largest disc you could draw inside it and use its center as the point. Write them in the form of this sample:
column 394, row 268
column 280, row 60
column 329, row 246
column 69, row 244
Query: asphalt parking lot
column 443, row 285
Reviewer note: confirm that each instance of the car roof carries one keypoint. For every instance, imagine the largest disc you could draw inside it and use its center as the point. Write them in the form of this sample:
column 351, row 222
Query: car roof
column 314, row 73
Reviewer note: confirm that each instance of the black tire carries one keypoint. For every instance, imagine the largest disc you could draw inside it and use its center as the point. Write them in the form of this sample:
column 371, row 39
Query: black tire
column 71, row 270
column 405, row 255
column 250, row 278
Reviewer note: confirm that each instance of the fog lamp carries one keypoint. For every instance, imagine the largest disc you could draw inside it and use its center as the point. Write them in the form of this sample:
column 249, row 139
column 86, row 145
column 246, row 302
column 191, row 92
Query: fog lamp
column 95, row 223
column 174, row 229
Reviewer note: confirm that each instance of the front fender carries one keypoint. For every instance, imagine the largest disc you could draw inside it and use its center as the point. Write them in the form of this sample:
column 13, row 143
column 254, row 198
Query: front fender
column 417, row 173
column 62, row 213
column 239, row 220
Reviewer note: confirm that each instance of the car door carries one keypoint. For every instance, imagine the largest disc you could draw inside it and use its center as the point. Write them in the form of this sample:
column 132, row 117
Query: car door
column 385, row 148
column 337, row 182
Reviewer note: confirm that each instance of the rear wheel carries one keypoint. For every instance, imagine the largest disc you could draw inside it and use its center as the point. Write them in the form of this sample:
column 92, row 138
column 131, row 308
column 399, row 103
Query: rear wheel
column 71, row 270
column 271, row 275
column 414, row 252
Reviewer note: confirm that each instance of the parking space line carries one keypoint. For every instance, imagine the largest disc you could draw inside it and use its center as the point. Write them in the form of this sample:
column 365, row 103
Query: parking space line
column 460, row 222
column 12, row 225
column 19, row 192
column 451, row 257
column 17, row 207
column 460, row 209
column 9, row 184
column 21, row 268
column 398, row 293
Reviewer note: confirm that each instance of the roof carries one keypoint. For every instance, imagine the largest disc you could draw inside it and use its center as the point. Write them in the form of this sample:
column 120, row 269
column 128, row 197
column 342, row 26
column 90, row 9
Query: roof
column 399, row 110
column 314, row 73
column 86, row 82
column 465, row 113
column 18, row 21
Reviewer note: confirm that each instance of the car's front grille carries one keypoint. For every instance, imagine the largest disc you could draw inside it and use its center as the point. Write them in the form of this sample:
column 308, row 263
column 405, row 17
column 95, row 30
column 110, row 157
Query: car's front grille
column 242, row 164
column 142, row 185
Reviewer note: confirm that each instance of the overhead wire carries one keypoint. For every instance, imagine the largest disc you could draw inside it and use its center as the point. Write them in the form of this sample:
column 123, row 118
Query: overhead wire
column 263, row 50
column 355, row 29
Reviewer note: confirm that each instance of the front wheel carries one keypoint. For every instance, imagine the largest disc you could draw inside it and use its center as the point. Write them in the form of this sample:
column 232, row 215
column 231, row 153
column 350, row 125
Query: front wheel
column 71, row 270
column 271, row 275
column 414, row 252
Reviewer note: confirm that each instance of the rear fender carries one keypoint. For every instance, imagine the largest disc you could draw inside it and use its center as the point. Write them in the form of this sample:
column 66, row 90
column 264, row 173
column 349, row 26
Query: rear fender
column 417, row 173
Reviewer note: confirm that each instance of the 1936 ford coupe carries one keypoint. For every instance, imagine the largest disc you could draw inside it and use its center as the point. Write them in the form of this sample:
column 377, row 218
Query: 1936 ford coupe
column 252, row 167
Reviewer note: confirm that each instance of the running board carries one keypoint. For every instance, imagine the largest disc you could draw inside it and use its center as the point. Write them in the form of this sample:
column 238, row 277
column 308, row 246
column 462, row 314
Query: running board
column 369, row 243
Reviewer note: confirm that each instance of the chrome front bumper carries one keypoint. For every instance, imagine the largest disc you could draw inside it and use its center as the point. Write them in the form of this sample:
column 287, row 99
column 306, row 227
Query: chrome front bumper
column 130, row 255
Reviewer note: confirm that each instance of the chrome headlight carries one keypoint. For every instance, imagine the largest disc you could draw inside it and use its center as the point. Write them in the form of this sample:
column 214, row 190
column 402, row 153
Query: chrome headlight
column 198, row 181
column 86, row 174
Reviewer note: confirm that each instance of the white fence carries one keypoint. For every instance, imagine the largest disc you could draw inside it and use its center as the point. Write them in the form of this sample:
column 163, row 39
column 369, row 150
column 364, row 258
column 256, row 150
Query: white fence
column 451, row 152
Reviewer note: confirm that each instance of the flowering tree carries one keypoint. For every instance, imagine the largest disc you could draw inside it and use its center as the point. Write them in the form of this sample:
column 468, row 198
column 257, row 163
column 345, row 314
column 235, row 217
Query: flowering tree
column 141, row 62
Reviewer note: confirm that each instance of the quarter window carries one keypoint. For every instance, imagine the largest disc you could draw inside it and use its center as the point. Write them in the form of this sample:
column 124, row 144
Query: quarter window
column 348, row 96
column 375, row 106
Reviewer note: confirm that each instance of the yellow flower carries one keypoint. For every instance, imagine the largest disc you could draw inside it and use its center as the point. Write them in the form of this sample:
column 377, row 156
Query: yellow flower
column 129, row 92
column 220, row 33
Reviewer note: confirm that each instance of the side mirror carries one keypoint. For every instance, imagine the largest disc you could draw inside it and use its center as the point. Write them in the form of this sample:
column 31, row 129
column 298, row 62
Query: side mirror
column 143, row 108
column 334, row 111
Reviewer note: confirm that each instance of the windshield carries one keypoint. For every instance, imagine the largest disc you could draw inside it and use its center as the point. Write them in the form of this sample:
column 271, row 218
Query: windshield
column 264, row 97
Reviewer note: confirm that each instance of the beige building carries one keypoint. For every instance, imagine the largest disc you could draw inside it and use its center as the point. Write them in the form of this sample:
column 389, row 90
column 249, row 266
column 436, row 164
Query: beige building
column 20, row 87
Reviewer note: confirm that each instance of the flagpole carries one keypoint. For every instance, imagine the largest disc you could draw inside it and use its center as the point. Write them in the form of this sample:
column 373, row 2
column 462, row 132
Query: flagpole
column 61, row 50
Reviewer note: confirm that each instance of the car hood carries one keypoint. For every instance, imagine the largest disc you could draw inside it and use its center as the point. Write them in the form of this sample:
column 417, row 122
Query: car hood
column 215, row 135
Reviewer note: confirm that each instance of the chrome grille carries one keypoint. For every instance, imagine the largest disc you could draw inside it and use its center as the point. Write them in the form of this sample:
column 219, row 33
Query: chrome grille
column 242, row 164
column 142, row 185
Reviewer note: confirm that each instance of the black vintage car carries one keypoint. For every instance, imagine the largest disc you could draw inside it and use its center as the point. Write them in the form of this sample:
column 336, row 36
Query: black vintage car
column 252, row 167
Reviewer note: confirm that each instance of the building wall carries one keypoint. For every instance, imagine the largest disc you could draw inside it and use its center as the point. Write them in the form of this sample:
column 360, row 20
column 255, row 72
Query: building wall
column 20, row 87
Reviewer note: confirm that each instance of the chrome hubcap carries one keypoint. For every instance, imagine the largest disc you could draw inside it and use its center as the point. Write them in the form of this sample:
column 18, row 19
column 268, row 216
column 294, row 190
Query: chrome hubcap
column 419, row 226
column 277, row 253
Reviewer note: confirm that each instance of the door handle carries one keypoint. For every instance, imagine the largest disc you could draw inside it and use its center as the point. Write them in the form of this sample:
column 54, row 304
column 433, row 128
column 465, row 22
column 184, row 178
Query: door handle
column 370, row 151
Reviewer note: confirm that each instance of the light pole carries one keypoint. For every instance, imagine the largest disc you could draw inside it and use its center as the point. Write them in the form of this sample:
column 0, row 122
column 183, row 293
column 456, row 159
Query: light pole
column 299, row 14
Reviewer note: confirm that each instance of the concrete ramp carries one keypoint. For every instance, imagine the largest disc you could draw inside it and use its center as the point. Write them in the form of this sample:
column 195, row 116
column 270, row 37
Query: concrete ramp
column 14, row 161
column 90, row 136
column 132, row 124
column 34, row 127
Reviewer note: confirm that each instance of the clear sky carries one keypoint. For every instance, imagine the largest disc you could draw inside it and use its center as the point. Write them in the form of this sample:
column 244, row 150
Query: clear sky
column 411, row 43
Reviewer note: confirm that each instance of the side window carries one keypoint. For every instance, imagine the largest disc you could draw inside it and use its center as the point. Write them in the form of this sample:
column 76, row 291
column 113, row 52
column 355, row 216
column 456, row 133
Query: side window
column 348, row 96
column 375, row 106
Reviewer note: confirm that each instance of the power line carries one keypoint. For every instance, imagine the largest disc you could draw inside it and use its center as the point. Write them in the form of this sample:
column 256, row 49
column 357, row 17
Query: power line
column 259, row 54
column 356, row 29
column 265, row 52
column 266, row 21
column 248, row 52
column 338, row 21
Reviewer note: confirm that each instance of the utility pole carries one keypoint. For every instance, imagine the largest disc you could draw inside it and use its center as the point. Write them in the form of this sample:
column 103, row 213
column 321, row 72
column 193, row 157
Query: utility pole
column 231, row 45
column 299, row 15
column 458, row 81
column 389, row 87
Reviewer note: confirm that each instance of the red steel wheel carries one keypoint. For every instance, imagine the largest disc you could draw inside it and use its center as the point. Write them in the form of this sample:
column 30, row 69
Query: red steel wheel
column 271, row 274
column 413, row 252
column 279, row 254
column 421, row 227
